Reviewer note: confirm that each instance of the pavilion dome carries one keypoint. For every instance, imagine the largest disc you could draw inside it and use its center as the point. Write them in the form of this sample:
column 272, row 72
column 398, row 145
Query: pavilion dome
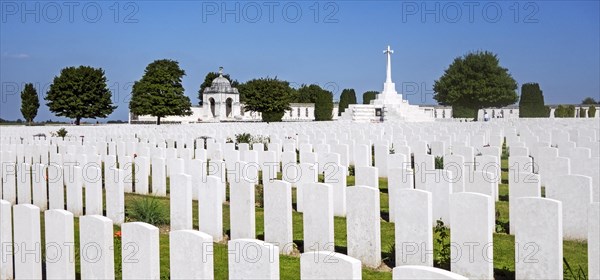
column 221, row 85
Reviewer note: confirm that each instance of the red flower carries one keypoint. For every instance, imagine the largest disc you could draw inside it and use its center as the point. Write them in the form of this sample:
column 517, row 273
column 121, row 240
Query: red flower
column 118, row 234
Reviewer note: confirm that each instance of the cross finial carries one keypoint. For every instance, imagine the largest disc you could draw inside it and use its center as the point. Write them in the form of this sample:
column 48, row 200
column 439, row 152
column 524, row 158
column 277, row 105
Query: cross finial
column 388, row 51
column 221, row 70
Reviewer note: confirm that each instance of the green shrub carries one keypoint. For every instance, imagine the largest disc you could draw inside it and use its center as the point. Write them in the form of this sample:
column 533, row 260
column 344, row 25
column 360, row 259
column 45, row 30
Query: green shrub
column 531, row 103
column 368, row 96
column 62, row 132
column 463, row 112
column 582, row 112
column 148, row 210
column 323, row 106
column 243, row 138
column 442, row 242
column 351, row 170
column 592, row 111
column 272, row 116
column 439, row 162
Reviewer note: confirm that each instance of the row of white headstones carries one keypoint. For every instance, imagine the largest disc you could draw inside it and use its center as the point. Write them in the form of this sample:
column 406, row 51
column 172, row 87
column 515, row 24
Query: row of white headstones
column 466, row 205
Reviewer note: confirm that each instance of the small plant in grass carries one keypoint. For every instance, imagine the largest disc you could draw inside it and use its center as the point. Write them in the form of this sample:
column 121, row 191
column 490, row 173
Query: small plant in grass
column 351, row 170
column 442, row 242
column 149, row 210
column 259, row 197
column 501, row 226
column 391, row 258
column 243, row 138
column 568, row 273
column 62, row 132
column 439, row 162
column 117, row 251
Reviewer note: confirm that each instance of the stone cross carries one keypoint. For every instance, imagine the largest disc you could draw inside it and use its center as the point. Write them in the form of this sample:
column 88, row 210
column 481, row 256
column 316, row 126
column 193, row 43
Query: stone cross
column 389, row 53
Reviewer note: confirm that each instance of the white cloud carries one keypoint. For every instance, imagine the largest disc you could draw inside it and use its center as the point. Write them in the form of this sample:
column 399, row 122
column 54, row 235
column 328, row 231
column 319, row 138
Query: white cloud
column 17, row 56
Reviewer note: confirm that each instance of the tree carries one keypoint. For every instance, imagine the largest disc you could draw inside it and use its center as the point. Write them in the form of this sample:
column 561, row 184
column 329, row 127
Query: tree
column 322, row 99
column 589, row 101
column 30, row 103
column 160, row 93
column 270, row 97
column 592, row 111
column 307, row 93
column 348, row 97
column 476, row 81
column 368, row 96
column 208, row 81
column 324, row 106
column 80, row 93
column 531, row 103
column 564, row 111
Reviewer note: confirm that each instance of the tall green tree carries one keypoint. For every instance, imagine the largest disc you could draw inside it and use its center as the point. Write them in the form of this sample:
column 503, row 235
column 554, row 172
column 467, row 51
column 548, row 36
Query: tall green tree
column 322, row 99
column 208, row 81
column 589, row 101
column 159, row 92
column 368, row 96
column 592, row 111
column 531, row 103
column 307, row 93
column 269, row 96
column 80, row 92
column 30, row 103
column 324, row 106
column 347, row 98
column 476, row 80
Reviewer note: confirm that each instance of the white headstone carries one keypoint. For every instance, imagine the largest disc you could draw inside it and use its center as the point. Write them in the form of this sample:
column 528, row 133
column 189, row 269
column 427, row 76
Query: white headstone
column 6, row 265
column 363, row 225
column 318, row 217
column 75, row 192
column 92, row 177
column 538, row 238
column 159, row 177
column 181, row 202
column 278, row 215
column 241, row 208
column 140, row 240
column 9, row 186
column 329, row 265
column 575, row 193
column 410, row 272
column 335, row 175
column 115, row 196
column 24, row 183
column 521, row 184
column 210, row 208
column 60, row 244
column 27, row 236
column 413, row 231
column 472, row 216
column 142, row 171
column 191, row 255
column 252, row 259
column 96, row 247
column 39, row 187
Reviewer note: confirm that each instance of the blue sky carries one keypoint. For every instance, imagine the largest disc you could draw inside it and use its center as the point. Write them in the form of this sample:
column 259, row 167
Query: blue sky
column 334, row 44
